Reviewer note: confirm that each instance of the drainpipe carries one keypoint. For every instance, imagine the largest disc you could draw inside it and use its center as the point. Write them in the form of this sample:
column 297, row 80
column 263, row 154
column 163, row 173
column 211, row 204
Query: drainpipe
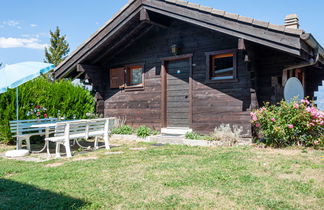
column 311, row 62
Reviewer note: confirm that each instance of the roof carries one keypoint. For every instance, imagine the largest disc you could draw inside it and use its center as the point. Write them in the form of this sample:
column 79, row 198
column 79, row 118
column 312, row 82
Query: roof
column 265, row 33
column 233, row 16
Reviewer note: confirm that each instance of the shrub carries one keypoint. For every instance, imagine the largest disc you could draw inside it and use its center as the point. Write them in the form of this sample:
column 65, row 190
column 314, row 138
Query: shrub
column 155, row 132
column 123, row 130
column 193, row 136
column 227, row 134
column 197, row 136
column 61, row 98
column 5, row 135
column 143, row 131
column 289, row 123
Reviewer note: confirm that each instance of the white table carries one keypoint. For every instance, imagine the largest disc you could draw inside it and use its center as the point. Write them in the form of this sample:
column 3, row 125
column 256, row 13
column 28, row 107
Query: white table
column 47, row 127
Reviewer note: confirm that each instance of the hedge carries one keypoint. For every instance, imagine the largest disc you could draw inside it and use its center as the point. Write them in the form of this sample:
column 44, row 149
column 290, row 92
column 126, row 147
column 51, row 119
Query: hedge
column 59, row 98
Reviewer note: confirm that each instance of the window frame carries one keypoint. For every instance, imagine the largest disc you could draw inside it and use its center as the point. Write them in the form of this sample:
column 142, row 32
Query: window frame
column 209, row 61
column 129, row 76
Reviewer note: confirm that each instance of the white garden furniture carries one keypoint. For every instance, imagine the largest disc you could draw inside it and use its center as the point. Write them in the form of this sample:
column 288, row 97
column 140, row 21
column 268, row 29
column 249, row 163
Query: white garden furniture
column 23, row 130
column 80, row 129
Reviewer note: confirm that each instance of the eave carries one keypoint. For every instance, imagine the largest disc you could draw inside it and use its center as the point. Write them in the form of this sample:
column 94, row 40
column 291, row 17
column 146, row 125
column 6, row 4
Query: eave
column 278, row 37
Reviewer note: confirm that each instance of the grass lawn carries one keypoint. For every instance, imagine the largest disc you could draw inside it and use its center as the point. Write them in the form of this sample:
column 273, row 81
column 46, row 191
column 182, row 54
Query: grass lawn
column 168, row 177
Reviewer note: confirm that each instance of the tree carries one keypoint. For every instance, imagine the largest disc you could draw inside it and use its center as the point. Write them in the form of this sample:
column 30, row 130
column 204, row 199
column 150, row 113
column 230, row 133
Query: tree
column 58, row 49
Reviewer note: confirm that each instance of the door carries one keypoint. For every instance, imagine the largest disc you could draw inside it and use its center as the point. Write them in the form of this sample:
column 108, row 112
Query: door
column 178, row 73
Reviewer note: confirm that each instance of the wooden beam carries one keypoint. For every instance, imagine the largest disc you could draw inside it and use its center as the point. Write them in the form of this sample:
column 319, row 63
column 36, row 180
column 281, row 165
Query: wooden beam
column 157, row 24
column 281, row 41
column 144, row 16
column 105, row 33
column 78, row 75
column 241, row 44
column 95, row 75
column 124, row 39
column 132, row 40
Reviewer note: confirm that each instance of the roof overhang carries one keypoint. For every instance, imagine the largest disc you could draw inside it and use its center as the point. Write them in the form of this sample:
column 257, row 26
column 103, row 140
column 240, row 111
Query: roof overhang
column 285, row 39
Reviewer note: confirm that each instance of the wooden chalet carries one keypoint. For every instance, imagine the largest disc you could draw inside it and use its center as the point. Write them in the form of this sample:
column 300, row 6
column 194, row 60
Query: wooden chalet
column 172, row 63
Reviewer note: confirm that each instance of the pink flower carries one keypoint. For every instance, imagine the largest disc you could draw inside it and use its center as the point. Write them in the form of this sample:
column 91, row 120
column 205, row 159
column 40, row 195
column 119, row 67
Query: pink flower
column 305, row 101
column 296, row 106
column 290, row 126
column 258, row 125
column 262, row 109
column 45, row 115
column 38, row 113
column 254, row 117
column 273, row 120
column 316, row 142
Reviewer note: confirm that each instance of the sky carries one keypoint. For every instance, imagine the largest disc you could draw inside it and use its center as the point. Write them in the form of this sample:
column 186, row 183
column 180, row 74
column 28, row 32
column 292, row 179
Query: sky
column 25, row 24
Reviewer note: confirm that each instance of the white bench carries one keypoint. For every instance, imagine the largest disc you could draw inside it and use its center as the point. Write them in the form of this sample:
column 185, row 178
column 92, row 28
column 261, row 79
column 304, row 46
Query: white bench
column 80, row 129
column 22, row 130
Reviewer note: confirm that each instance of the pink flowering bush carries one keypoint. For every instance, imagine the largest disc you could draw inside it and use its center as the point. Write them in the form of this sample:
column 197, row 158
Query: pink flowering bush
column 286, row 124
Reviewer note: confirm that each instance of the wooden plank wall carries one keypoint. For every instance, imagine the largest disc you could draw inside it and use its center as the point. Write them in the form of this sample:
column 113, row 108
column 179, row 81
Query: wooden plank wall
column 213, row 104
column 267, row 64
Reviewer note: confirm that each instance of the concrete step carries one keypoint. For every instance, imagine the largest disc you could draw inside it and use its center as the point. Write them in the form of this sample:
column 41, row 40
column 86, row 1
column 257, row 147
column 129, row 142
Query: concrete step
column 172, row 131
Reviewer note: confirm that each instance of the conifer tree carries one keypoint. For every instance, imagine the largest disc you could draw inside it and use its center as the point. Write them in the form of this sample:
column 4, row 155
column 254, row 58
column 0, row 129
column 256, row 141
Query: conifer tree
column 58, row 49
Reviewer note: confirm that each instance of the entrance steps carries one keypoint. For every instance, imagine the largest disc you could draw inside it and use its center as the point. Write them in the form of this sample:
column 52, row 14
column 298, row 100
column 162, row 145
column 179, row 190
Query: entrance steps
column 175, row 132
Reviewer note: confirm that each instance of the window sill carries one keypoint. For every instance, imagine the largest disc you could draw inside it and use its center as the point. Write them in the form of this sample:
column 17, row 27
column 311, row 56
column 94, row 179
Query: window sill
column 222, row 81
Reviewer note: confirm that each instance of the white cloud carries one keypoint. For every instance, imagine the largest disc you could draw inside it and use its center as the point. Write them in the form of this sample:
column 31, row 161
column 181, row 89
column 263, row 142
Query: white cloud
column 11, row 23
column 32, row 43
column 38, row 35
column 33, row 25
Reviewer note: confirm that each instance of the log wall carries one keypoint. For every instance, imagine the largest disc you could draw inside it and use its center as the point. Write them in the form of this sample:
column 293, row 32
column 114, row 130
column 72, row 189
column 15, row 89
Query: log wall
column 213, row 104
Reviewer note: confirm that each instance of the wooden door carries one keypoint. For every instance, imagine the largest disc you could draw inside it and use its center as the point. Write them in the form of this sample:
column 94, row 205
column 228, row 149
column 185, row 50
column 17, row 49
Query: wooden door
column 178, row 100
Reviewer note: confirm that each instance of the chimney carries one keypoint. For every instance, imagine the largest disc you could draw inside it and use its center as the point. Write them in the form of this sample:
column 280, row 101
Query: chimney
column 292, row 21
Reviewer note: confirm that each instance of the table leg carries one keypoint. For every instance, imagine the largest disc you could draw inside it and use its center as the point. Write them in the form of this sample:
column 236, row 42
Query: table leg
column 47, row 142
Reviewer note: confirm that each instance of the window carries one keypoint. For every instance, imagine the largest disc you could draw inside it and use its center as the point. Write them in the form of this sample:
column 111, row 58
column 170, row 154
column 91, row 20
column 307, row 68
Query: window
column 127, row 77
column 221, row 65
column 134, row 76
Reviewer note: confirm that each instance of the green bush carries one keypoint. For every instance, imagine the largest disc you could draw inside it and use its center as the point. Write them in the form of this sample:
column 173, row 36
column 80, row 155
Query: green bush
column 287, row 124
column 123, row 130
column 143, row 131
column 61, row 98
column 155, row 132
column 197, row 136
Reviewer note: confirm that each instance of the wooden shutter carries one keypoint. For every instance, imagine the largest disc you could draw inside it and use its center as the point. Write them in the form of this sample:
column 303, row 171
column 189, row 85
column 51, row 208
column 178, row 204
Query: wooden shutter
column 117, row 77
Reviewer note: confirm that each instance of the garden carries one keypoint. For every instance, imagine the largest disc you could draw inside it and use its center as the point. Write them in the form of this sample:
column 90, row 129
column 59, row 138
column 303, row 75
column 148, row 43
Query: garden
column 282, row 169
column 153, row 176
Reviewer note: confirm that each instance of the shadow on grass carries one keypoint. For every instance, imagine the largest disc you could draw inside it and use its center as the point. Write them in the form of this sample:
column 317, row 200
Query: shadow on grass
column 14, row 195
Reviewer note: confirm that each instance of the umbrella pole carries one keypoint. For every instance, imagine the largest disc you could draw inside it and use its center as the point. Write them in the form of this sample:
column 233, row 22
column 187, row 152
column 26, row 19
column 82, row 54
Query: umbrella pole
column 17, row 118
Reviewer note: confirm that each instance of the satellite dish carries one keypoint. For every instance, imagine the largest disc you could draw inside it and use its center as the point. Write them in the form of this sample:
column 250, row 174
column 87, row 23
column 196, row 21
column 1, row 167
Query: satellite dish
column 293, row 90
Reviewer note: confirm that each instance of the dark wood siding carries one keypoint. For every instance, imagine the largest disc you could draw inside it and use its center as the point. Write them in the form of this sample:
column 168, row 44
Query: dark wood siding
column 178, row 73
column 213, row 104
